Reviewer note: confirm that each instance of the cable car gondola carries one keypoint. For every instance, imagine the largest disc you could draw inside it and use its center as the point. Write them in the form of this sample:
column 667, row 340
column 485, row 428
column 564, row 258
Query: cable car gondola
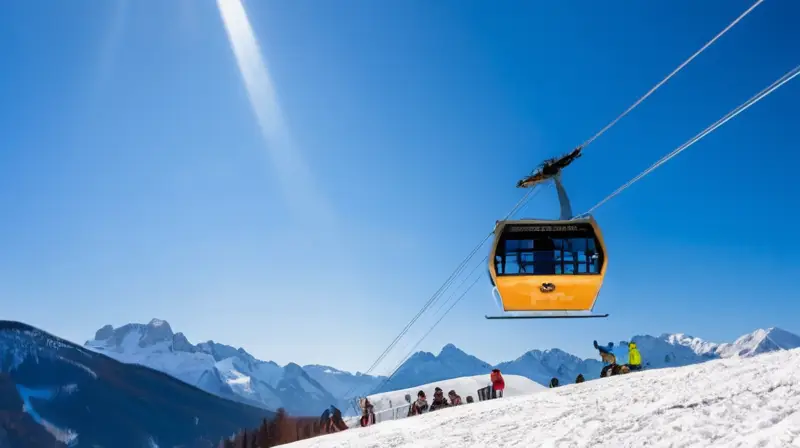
column 548, row 268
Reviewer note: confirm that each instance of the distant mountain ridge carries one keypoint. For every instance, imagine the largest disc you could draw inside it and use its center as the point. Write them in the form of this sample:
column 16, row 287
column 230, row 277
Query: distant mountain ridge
column 55, row 393
column 235, row 374
column 229, row 372
column 667, row 350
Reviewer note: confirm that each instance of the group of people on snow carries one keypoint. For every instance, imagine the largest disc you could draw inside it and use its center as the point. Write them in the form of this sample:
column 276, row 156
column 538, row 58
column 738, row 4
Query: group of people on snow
column 420, row 405
column 614, row 362
column 614, row 359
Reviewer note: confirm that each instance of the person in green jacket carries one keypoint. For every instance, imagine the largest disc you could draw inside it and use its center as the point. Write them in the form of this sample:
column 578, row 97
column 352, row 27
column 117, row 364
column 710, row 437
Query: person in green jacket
column 634, row 357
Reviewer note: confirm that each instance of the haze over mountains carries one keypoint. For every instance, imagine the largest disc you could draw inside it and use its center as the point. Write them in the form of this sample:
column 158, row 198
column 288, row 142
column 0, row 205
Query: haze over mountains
column 233, row 373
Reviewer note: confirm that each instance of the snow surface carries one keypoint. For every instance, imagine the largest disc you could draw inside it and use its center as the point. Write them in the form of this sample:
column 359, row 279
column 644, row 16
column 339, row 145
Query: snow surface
column 392, row 405
column 735, row 402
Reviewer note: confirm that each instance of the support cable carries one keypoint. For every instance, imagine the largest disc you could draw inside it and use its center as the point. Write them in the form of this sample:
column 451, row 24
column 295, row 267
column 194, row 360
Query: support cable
column 730, row 115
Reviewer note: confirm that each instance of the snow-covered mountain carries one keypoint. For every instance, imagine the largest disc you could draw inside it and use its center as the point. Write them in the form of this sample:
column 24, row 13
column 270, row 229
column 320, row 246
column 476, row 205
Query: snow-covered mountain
column 235, row 374
column 541, row 366
column 758, row 342
column 54, row 393
column 219, row 369
column 425, row 367
column 673, row 350
column 667, row 350
column 739, row 401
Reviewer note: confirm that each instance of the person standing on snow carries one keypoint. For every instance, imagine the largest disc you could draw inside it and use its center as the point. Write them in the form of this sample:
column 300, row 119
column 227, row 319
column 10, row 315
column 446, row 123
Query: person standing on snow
column 579, row 379
column 553, row 382
column 498, row 384
column 367, row 414
column 634, row 357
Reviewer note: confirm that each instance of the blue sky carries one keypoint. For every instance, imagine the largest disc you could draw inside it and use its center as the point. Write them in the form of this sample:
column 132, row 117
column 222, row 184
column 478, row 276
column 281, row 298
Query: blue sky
column 135, row 181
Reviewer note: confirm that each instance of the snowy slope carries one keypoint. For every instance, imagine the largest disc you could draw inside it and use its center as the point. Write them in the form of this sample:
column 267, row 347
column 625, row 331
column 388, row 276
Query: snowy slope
column 722, row 403
column 216, row 368
column 392, row 405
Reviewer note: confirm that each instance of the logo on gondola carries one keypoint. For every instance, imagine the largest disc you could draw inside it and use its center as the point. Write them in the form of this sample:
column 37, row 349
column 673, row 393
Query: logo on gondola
column 547, row 287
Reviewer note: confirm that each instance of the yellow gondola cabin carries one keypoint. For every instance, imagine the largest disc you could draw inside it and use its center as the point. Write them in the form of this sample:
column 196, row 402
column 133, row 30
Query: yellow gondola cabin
column 546, row 266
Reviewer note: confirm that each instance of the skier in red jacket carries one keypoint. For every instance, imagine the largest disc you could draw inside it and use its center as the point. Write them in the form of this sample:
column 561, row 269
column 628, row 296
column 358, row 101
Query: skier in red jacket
column 498, row 385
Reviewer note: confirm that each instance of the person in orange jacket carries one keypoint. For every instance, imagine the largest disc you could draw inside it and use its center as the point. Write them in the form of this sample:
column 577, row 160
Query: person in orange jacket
column 498, row 384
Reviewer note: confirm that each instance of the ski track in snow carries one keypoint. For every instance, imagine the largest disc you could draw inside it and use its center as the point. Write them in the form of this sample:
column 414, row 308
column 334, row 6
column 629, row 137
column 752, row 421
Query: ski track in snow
column 739, row 402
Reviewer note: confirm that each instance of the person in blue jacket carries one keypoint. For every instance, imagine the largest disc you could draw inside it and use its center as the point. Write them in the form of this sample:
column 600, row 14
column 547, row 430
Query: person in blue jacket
column 606, row 352
column 608, row 356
